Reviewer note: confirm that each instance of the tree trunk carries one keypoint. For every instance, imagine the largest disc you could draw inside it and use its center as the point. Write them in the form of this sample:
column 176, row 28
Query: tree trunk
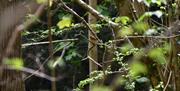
column 92, row 47
column 130, row 8
column 12, row 13
column 11, row 80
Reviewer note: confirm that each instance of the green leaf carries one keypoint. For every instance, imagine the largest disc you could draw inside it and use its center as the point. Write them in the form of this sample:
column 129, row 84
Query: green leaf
column 25, row 33
column 166, row 47
column 61, row 45
column 44, row 2
column 14, row 62
column 157, row 13
column 158, row 2
column 59, row 62
column 146, row 14
column 157, row 55
column 65, row 22
column 101, row 88
column 136, row 68
column 147, row 2
column 140, row 27
column 41, row 1
column 103, row 10
column 125, row 48
column 174, row 5
column 125, row 31
column 123, row 19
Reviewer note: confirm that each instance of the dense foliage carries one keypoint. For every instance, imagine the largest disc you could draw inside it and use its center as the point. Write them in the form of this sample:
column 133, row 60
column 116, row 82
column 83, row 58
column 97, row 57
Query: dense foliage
column 136, row 51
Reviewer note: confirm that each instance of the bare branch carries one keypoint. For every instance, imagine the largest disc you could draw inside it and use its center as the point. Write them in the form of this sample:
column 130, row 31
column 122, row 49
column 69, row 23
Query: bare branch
column 34, row 72
column 94, row 61
column 96, row 13
column 85, row 23
column 47, row 42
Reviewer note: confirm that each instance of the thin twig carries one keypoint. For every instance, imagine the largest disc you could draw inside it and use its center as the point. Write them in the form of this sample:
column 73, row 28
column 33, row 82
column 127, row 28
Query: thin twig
column 94, row 61
column 156, row 37
column 103, row 60
column 129, row 41
column 169, row 78
column 41, row 66
column 35, row 72
column 47, row 42
column 85, row 23
column 53, row 54
column 133, row 10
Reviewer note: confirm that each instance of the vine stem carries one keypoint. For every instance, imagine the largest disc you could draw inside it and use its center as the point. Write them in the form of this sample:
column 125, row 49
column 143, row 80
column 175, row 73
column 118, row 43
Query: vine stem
column 49, row 20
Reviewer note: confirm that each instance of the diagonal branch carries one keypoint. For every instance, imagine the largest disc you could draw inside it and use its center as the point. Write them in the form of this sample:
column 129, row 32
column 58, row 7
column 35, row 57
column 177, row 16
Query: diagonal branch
column 85, row 23
column 95, row 13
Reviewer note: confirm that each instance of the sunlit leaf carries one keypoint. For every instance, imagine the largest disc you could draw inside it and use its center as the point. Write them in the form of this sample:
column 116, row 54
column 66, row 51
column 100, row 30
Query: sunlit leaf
column 14, row 62
column 146, row 14
column 101, row 88
column 162, row 8
column 50, row 2
column 157, row 55
column 41, row 1
column 25, row 33
column 158, row 2
column 59, row 62
column 166, row 47
column 140, row 27
column 123, row 19
column 137, row 68
column 158, row 13
column 139, row 0
column 125, row 48
column 174, row 5
column 164, row 1
column 65, row 22
column 54, row 63
column 44, row 2
column 178, row 55
column 147, row 2
column 120, row 80
column 125, row 31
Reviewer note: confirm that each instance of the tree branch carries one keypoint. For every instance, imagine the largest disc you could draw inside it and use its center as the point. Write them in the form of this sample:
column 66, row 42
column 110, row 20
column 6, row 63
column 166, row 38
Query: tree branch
column 85, row 23
column 96, row 13
column 47, row 42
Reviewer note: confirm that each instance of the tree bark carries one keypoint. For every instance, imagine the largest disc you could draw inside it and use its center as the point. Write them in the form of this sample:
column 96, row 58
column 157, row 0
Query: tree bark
column 12, row 13
column 92, row 47
column 130, row 8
